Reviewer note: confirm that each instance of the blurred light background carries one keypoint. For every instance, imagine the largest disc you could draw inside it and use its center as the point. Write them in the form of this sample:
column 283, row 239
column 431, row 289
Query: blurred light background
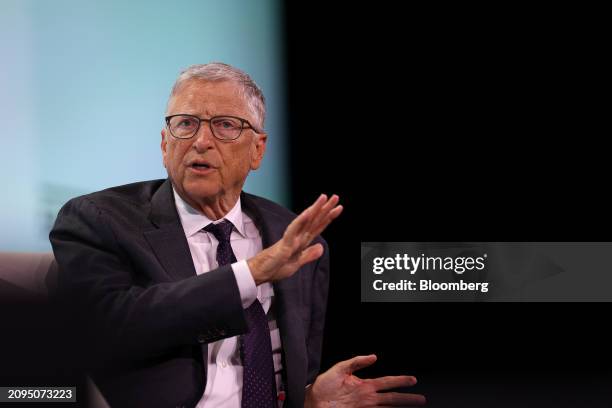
column 83, row 88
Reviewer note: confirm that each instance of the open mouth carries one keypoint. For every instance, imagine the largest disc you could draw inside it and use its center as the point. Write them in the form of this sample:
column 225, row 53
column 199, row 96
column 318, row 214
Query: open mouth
column 202, row 168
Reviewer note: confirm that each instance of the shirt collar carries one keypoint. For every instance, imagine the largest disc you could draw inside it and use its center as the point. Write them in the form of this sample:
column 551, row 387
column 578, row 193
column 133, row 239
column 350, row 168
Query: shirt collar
column 193, row 221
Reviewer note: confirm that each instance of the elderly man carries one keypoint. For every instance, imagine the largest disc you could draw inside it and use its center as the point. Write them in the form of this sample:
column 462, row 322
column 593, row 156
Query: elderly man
column 196, row 293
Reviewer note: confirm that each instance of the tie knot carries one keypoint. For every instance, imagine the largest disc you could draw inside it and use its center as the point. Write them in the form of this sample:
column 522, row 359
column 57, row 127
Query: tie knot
column 222, row 231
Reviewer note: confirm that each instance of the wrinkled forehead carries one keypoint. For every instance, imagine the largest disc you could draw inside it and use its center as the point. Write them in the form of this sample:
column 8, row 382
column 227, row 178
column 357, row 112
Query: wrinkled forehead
column 197, row 96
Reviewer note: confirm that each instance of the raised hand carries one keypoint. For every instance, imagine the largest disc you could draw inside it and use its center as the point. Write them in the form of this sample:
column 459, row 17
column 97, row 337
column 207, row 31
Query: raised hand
column 293, row 250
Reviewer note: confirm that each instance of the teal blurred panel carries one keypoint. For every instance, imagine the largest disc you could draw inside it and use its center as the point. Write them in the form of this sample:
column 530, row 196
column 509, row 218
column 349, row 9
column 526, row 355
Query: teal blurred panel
column 94, row 77
column 19, row 226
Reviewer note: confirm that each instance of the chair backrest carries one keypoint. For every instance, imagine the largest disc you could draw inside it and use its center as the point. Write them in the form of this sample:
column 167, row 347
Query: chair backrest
column 30, row 274
column 34, row 275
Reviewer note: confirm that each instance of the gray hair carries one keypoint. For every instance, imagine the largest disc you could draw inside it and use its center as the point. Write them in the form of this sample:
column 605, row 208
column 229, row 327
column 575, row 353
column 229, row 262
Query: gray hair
column 218, row 71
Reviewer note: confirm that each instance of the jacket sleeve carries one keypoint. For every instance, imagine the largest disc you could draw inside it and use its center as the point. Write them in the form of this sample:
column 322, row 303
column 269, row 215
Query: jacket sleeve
column 126, row 320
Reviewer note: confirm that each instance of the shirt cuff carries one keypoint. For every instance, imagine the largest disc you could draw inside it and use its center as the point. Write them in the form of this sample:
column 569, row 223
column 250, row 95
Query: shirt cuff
column 246, row 283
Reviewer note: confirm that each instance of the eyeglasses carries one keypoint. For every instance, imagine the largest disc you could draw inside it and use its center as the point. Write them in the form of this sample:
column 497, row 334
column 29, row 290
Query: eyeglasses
column 222, row 127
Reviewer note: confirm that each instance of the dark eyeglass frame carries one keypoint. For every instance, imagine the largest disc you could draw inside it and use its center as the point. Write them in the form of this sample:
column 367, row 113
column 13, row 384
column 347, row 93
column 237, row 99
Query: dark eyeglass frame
column 200, row 120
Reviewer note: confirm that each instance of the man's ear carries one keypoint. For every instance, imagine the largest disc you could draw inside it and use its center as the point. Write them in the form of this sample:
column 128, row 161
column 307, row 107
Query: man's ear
column 258, row 150
column 164, row 145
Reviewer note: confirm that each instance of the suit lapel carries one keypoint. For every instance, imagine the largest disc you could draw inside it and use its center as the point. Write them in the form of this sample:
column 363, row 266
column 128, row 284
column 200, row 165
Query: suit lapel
column 167, row 237
column 286, row 293
column 168, row 241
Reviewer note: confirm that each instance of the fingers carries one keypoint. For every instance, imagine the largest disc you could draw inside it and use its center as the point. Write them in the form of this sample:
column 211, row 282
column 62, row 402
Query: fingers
column 327, row 206
column 313, row 220
column 322, row 215
column 395, row 399
column 356, row 363
column 324, row 222
column 318, row 208
column 304, row 219
column 389, row 382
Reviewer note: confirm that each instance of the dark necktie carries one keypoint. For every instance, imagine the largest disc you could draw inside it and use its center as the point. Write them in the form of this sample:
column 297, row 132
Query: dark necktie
column 258, row 383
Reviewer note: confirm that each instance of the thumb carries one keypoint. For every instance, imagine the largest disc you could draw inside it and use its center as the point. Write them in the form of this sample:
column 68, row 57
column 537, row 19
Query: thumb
column 310, row 254
column 356, row 363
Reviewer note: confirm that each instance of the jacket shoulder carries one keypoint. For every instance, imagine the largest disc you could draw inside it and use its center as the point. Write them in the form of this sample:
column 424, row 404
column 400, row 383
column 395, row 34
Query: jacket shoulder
column 269, row 207
column 138, row 194
column 129, row 204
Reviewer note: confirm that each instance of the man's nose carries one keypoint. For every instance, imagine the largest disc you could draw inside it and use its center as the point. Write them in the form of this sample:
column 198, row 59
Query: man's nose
column 204, row 139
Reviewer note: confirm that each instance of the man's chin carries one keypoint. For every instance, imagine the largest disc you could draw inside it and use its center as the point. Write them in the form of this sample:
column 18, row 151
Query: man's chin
column 201, row 191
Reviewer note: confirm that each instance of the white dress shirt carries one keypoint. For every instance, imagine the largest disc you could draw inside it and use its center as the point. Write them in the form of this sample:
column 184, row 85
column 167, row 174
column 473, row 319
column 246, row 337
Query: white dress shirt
column 224, row 376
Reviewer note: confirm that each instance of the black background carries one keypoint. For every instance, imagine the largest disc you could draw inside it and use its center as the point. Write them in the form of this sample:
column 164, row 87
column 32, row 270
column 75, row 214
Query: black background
column 456, row 124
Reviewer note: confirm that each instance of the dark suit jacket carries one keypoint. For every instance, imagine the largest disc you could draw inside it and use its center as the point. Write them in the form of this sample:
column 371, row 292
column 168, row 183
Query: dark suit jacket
column 125, row 265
